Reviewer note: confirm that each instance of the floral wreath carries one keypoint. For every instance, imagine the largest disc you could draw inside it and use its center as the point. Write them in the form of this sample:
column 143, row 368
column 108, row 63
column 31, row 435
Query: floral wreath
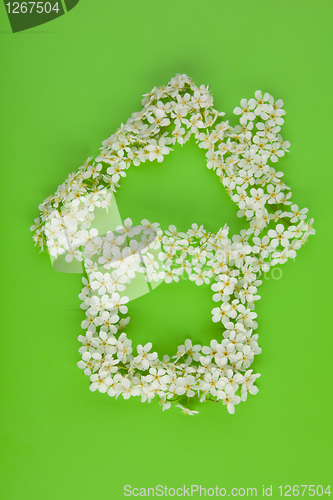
column 242, row 157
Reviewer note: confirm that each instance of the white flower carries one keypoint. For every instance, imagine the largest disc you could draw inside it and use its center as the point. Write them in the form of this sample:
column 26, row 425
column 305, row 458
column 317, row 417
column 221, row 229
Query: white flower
column 107, row 321
column 113, row 385
column 196, row 231
column 185, row 385
column 275, row 151
column 262, row 246
column 248, row 384
column 86, row 364
column 200, row 277
column 245, row 358
column 171, row 275
column 214, row 348
column 93, row 171
column 230, row 401
column 158, row 149
column 262, row 107
column 124, row 348
column 73, row 254
column 165, row 404
column 298, row 214
column 87, row 236
column 99, row 382
column 109, row 365
column 214, row 384
column 228, row 283
column 107, row 344
column 187, row 411
column 126, row 389
column 199, row 100
column 55, row 248
column 246, row 110
column 258, row 198
column 118, row 302
column 98, row 304
column 232, row 381
column 280, row 257
column 101, row 282
column 162, row 109
column 191, row 351
column 246, row 316
column 178, row 135
column 222, row 312
column 144, row 358
column 279, row 236
column 127, row 229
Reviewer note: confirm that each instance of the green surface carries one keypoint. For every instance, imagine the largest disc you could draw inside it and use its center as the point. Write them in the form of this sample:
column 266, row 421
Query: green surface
column 66, row 86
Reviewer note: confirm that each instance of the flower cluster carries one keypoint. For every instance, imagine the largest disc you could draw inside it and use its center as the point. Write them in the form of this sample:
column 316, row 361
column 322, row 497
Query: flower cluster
column 242, row 157
column 213, row 372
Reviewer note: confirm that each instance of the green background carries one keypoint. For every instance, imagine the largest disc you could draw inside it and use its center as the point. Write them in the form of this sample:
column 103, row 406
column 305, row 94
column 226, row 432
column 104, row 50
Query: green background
column 65, row 87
